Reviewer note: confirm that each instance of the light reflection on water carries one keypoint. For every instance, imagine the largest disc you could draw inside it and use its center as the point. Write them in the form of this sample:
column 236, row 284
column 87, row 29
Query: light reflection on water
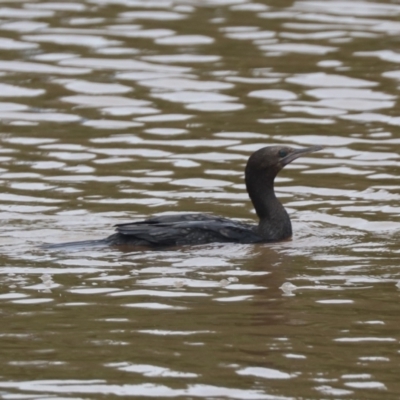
column 115, row 110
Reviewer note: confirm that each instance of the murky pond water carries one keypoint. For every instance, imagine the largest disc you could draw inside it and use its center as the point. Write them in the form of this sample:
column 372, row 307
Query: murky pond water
column 114, row 110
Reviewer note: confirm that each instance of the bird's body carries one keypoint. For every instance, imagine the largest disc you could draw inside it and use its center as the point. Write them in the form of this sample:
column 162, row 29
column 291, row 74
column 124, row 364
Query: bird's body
column 183, row 229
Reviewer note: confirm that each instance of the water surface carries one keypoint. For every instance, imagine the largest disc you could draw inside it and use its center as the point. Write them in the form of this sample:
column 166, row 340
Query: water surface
column 114, row 110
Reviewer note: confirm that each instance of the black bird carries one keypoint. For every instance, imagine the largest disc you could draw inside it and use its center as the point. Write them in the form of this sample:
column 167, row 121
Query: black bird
column 182, row 229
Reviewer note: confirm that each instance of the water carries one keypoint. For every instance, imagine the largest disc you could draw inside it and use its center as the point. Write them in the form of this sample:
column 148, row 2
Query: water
column 114, row 110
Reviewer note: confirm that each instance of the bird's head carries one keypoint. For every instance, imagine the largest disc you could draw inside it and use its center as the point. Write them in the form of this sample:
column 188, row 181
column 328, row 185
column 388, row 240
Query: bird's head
column 272, row 159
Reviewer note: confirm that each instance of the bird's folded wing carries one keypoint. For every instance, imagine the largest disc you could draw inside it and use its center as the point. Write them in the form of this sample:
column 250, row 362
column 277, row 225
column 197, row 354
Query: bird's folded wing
column 177, row 230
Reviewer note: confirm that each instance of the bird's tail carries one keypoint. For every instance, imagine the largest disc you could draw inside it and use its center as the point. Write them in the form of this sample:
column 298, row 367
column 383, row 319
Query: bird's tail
column 74, row 245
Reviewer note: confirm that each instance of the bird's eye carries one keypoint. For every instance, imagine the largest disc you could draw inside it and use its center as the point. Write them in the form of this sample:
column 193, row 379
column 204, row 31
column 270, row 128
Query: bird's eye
column 282, row 153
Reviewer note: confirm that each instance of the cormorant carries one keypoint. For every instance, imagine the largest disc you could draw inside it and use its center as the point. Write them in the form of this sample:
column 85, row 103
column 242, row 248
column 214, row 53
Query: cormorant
column 183, row 229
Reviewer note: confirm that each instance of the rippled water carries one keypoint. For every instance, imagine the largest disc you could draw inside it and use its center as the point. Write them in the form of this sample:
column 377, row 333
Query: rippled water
column 113, row 110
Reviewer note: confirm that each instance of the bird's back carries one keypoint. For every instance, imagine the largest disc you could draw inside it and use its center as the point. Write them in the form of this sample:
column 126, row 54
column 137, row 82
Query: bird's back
column 181, row 229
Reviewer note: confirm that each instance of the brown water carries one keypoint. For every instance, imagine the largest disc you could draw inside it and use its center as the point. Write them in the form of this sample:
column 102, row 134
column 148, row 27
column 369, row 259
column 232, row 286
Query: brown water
column 113, row 110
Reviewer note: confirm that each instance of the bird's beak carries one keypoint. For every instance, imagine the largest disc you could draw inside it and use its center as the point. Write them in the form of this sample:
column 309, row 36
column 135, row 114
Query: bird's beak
column 296, row 153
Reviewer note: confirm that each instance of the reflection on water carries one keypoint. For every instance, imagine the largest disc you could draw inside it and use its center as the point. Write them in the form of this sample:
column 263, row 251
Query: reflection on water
column 113, row 110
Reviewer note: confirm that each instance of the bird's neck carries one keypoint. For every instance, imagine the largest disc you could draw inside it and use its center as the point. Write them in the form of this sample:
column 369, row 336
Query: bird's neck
column 274, row 220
